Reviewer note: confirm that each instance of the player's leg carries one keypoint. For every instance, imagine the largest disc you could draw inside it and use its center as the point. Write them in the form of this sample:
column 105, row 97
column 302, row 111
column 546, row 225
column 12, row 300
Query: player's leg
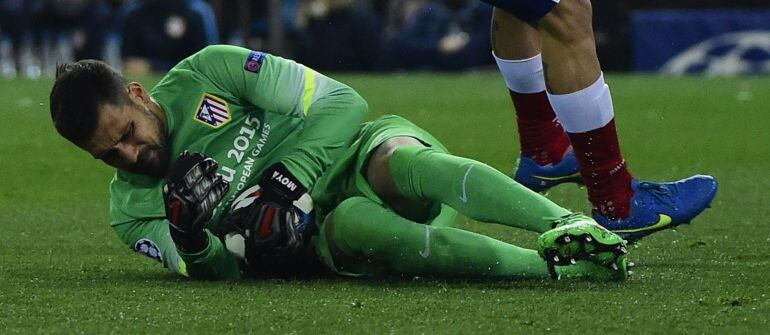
column 365, row 173
column 546, row 159
column 403, row 171
column 582, row 102
column 408, row 176
column 364, row 238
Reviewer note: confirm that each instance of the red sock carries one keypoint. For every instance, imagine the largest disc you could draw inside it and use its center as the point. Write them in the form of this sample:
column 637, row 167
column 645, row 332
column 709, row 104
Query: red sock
column 540, row 133
column 604, row 171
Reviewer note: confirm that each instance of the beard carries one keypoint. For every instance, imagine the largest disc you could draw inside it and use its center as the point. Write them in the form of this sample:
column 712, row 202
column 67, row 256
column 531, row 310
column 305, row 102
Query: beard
column 153, row 160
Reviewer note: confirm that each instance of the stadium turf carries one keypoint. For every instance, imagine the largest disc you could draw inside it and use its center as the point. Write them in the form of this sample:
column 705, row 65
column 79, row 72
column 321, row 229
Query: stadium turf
column 63, row 270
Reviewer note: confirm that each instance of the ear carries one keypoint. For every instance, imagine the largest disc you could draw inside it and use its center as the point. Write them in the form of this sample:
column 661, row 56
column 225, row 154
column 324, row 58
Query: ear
column 137, row 93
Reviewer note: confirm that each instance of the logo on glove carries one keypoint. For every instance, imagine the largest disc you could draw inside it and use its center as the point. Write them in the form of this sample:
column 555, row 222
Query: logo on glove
column 285, row 181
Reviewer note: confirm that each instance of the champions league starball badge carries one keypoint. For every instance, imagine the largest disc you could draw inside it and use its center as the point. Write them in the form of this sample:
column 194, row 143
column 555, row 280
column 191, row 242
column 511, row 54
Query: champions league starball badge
column 148, row 248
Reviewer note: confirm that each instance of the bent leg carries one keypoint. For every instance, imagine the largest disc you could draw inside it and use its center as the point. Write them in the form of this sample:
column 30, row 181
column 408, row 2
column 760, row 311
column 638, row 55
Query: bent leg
column 410, row 172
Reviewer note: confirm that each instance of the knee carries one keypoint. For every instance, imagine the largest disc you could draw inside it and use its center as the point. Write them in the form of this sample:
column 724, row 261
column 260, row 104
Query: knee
column 345, row 209
column 343, row 215
column 346, row 216
column 570, row 21
column 378, row 172
column 387, row 148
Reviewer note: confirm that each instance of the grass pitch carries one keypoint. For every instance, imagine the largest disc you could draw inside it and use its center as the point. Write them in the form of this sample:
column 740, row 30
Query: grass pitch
column 63, row 270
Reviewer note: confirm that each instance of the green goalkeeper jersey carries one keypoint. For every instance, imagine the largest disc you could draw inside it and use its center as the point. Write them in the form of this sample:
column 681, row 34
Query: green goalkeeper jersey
column 247, row 110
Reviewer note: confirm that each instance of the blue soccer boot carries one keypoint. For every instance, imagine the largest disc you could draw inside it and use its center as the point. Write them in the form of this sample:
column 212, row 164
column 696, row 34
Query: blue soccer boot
column 659, row 206
column 542, row 177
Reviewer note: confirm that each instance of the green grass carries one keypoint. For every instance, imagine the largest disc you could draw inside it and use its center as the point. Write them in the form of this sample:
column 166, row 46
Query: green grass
column 63, row 270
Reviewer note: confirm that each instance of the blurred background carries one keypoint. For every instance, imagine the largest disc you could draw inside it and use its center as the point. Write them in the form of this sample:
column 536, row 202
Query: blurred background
column 712, row 37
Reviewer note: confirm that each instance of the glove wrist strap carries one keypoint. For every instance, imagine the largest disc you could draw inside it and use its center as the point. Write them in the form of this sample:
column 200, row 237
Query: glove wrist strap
column 189, row 243
column 278, row 179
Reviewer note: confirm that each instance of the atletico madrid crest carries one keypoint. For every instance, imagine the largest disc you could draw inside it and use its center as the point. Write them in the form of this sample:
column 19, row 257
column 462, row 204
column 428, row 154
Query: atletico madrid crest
column 213, row 111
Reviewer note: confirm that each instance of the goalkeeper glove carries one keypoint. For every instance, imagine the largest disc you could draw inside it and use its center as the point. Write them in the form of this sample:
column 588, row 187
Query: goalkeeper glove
column 193, row 191
column 274, row 215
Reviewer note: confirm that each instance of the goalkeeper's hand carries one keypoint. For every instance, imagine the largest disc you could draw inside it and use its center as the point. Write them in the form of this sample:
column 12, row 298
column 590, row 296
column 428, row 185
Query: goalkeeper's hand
column 285, row 204
column 275, row 215
column 193, row 191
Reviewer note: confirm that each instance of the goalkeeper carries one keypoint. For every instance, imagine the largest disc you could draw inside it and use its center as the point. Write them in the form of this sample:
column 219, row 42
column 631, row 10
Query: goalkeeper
column 228, row 121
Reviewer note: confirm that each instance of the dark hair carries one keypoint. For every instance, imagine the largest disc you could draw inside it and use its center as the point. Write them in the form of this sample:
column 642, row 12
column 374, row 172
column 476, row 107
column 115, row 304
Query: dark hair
column 80, row 89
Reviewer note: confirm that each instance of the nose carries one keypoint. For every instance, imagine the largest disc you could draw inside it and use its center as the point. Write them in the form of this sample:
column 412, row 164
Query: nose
column 129, row 152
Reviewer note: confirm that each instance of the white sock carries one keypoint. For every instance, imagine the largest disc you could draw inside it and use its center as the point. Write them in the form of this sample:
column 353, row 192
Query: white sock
column 584, row 110
column 523, row 76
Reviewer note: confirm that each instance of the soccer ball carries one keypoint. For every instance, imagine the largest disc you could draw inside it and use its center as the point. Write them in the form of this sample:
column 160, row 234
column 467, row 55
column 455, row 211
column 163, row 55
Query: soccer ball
column 235, row 242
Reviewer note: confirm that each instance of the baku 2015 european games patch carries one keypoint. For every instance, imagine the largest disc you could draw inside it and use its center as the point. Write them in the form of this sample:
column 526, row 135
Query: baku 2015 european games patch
column 148, row 248
column 212, row 111
column 254, row 61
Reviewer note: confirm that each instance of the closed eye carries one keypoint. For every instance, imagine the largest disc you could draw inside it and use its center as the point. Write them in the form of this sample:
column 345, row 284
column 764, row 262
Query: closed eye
column 107, row 155
column 129, row 131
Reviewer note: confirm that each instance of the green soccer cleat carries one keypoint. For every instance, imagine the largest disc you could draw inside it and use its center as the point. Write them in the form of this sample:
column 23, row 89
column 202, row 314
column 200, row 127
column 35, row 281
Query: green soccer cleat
column 577, row 237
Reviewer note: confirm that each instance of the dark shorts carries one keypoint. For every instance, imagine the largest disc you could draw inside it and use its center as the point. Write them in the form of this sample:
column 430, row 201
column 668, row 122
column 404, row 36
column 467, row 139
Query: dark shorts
column 525, row 10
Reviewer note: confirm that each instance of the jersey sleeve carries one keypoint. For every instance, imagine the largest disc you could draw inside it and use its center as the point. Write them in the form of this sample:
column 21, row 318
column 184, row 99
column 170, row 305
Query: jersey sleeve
column 331, row 111
column 145, row 230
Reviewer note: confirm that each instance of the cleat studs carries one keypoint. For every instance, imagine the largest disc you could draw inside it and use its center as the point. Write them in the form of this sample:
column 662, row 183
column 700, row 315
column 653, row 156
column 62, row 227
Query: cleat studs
column 565, row 239
column 555, row 258
column 614, row 266
column 623, row 250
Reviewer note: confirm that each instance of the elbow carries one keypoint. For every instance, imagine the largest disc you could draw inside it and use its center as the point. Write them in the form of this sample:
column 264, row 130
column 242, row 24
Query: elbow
column 359, row 105
column 354, row 104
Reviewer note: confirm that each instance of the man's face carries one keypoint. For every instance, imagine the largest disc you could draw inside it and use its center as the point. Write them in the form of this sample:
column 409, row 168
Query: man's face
column 130, row 138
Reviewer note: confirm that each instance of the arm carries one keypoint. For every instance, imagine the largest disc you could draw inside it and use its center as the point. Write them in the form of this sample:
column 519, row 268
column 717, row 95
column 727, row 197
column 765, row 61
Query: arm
column 152, row 238
column 139, row 208
column 330, row 110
